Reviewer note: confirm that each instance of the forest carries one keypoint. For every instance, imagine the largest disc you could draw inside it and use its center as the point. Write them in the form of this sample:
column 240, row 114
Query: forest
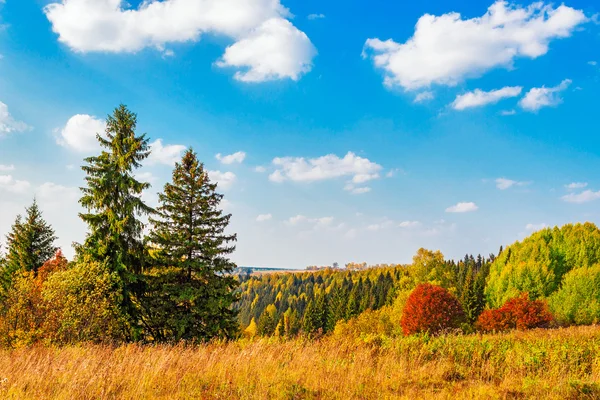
column 161, row 280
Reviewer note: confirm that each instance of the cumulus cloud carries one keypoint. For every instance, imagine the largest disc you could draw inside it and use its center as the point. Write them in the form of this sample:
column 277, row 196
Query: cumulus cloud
column 167, row 155
column 264, row 217
column 224, row 179
column 505, row 113
column 8, row 124
column 503, row 183
column 538, row 98
column 462, row 207
column 479, row 98
column 10, row 184
column 576, row 185
column 447, row 49
column 237, row 157
column 266, row 44
column 300, row 169
column 583, row 197
column 260, row 169
column 6, row 168
column 79, row 133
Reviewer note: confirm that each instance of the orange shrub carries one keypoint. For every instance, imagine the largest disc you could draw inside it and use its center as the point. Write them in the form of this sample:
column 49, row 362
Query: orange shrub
column 431, row 309
column 517, row 313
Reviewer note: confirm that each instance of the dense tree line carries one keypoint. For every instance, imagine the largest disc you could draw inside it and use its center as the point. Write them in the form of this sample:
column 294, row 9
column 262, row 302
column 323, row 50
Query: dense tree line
column 314, row 302
column 173, row 284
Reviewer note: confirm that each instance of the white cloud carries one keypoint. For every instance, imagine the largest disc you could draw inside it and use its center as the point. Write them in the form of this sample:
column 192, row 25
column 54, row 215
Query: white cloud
column 79, row 133
column 224, row 179
column 274, row 50
column 315, row 16
column 266, row 45
column 264, row 217
column 424, row 96
column 538, row 98
column 8, row 124
column 507, row 112
column 167, row 155
column 462, row 207
column 409, row 224
column 356, row 190
column 593, row 63
column 478, row 98
column 316, row 223
column 576, row 185
column 447, row 49
column 583, row 197
column 5, row 168
column 503, row 183
column 146, row 177
column 237, row 157
column 8, row 183
column 260, row 169
column 296, row 219
column 381, row 225
column 535, row 227
column 299, row 169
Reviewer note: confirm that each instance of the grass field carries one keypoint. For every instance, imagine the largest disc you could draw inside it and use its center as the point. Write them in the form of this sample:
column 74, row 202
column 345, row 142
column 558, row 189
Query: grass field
column 559, row 364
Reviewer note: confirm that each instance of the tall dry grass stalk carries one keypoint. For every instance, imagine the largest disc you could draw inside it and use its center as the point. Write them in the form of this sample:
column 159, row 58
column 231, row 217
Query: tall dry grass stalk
column 560, row 364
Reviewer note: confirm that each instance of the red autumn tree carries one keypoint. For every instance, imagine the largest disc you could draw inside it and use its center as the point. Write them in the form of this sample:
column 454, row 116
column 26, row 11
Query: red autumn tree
column 517, row 313
column 431, row 309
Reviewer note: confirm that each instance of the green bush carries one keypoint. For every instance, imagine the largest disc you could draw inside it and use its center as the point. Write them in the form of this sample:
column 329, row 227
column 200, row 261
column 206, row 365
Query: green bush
column 83, row 305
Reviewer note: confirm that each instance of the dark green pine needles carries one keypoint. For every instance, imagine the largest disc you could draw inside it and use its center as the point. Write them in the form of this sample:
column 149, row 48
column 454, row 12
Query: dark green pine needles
column 113, row 202
column 30, row 244
column 191, row 288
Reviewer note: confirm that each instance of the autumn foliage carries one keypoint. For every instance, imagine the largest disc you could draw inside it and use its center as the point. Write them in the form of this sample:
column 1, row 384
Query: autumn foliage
column 431, row 309
column 518, row 313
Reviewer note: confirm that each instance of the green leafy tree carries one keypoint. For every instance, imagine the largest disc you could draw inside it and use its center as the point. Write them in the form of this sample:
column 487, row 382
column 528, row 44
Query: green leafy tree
column 192, row 276
column 578, row 299
column 538, row 264
column 112, row 199
column 30, row 244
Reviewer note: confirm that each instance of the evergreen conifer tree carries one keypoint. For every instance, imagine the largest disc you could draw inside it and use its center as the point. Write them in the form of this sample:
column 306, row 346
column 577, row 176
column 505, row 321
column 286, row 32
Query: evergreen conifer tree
column 112, row 199
column 30, row 244
column 192, row 271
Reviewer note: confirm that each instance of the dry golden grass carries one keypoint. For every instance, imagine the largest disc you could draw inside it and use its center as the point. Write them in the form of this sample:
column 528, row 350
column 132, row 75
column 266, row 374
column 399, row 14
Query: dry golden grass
column 560, row 364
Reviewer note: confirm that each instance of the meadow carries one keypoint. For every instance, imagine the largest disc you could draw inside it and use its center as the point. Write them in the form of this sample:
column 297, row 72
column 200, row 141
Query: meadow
column 550, row 364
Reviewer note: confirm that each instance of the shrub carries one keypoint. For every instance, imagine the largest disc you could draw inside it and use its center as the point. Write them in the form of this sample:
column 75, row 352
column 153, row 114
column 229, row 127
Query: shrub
column 431, row 309
column 517, row 313
column 578, row 299
column 83, row 305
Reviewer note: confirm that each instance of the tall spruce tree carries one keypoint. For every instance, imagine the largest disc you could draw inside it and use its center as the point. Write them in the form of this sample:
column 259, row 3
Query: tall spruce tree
column 192, row 285
column 113, row 204
column 30, row 244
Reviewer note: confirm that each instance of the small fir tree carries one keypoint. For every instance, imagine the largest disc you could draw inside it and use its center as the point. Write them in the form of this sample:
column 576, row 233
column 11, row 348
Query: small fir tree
column 30, row 244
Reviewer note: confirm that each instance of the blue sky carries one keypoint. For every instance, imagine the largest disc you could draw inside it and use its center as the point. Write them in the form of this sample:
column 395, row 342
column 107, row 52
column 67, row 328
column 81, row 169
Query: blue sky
column 361, row 131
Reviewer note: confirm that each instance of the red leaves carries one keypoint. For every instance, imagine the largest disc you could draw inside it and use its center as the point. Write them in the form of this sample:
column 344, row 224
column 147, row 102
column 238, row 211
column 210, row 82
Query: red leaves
column 431, row 309
column 518, row 313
